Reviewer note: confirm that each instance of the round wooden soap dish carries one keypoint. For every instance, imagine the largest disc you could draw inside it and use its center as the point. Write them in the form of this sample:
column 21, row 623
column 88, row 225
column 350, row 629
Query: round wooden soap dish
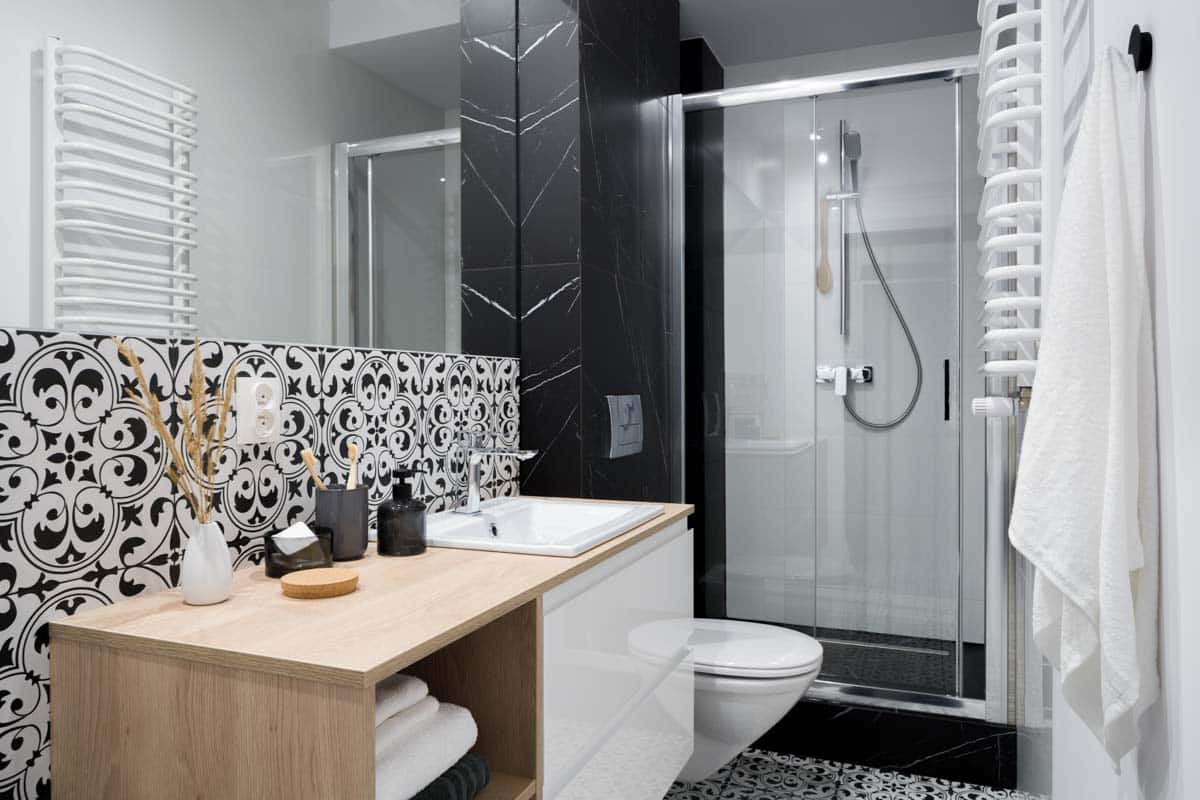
column 311, row 584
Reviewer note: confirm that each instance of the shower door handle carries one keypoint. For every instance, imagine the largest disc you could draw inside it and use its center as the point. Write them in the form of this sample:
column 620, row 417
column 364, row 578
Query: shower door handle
column 843, row 237
column 946, row 390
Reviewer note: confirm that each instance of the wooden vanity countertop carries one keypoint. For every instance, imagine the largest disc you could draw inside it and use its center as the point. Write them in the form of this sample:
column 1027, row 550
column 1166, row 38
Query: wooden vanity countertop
column 404, row 609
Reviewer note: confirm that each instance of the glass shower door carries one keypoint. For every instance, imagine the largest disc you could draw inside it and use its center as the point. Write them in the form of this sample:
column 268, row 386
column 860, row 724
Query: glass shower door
column 769, row 362
column 887, row 544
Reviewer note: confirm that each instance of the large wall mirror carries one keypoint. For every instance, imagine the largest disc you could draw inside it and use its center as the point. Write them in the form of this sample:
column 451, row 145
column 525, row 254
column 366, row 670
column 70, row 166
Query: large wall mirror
column 311, row 171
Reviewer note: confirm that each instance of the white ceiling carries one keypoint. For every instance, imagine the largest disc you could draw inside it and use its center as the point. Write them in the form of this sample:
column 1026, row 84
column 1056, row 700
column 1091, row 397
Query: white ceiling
column 746, row 31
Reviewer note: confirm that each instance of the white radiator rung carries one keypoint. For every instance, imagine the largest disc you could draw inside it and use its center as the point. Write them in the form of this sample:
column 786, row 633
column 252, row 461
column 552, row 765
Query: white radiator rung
column 179, row 276
column 124, row 119
column 116, row 302
column 82, row 69
column 1009, row 241
column 1004, row 367
column 130, row 287
column 123, row 231
column 1005, row 338
column 165, row 186
column 69, row 49
column 93, row 186
column 997, row 305
column 83, row 88
column 84, row 148
column 104, row 208
column 115, row 323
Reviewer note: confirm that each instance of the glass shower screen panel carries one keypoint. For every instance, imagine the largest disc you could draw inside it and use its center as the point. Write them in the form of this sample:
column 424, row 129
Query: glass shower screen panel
column 886, row 595
column 405, row 267
column 769, row 319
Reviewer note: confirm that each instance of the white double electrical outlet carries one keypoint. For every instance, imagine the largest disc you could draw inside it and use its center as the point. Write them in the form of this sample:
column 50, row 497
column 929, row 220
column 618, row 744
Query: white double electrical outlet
column 259, row 419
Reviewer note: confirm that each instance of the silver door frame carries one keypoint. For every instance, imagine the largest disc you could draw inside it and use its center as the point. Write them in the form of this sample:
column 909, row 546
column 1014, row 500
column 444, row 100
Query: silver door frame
column 998, row 475
column 343, row 304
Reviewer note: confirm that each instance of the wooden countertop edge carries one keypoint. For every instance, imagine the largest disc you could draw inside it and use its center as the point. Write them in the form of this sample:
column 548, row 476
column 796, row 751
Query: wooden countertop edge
column 75, row 630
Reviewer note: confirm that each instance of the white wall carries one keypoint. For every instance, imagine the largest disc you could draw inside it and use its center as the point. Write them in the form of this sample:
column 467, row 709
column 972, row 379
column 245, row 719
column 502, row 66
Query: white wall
column 272, row 100
column 1167, row 765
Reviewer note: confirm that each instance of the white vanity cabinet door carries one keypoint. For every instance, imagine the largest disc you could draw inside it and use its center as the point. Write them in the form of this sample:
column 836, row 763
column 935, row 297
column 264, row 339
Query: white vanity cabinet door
column 618, row 719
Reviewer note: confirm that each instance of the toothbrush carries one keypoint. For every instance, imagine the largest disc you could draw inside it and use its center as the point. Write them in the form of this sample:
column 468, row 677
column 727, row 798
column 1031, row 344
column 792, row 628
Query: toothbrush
column 352, row 477
column 310, row 461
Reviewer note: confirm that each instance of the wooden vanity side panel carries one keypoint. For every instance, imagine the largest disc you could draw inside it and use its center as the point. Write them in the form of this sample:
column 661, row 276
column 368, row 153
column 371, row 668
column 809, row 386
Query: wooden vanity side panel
column 495, row 672
column 133, row 725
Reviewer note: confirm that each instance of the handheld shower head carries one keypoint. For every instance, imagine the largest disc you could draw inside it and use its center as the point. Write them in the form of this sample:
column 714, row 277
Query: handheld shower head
column 852, row 148
column 852, row 141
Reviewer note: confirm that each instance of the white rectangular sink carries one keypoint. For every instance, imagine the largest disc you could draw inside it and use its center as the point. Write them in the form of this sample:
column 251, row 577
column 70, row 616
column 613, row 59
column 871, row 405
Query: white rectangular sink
column 537, row 527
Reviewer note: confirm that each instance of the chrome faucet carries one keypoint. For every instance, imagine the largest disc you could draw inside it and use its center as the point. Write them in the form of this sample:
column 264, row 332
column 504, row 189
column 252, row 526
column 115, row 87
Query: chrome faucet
column 475, row 448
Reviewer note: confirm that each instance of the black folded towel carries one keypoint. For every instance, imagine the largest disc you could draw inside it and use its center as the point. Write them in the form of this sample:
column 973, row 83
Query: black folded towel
column 463, row 781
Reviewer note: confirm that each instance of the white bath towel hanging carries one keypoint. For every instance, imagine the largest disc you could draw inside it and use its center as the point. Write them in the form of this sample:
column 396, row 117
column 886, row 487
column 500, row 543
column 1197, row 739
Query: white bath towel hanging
column 1086, row 507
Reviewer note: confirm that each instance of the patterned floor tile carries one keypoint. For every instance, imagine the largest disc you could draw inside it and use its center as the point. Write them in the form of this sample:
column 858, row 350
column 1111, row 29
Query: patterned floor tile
column 763, row 775
column 758, row 773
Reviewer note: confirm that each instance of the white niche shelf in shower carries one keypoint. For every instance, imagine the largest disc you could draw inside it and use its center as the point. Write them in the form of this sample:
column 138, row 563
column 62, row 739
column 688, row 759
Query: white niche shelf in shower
column 119, row 196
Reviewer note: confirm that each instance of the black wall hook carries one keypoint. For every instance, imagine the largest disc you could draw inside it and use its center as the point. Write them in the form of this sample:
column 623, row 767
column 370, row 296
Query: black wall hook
column 1141, row 47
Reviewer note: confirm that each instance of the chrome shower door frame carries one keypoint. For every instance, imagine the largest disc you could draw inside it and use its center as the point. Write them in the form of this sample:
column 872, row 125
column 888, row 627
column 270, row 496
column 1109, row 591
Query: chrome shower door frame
column 998, row 474
column 343, row 152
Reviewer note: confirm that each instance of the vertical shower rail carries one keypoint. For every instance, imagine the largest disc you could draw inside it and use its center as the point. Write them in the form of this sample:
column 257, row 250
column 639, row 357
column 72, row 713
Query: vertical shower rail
column 1021, row 161
column 119, row 195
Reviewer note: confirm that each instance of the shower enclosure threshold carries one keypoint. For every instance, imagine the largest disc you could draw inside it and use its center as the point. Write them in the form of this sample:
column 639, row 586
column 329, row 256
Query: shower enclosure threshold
column 896, row 699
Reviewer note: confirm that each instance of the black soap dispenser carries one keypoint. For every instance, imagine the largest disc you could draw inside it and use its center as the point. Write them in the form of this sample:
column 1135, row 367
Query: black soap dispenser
column 400, row 522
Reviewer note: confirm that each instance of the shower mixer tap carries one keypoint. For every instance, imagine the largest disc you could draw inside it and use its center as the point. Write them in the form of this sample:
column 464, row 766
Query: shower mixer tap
column 841, row 376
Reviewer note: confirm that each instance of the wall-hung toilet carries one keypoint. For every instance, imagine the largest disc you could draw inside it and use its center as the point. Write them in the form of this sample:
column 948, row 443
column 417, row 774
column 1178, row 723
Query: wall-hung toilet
column 748, row 675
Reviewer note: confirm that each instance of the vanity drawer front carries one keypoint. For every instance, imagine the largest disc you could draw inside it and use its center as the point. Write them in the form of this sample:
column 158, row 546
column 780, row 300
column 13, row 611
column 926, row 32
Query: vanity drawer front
column 611, row 710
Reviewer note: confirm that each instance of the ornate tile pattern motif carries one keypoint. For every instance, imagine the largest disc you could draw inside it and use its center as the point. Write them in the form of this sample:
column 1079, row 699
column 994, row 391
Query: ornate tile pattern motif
column 87, row 515
column 763, row 775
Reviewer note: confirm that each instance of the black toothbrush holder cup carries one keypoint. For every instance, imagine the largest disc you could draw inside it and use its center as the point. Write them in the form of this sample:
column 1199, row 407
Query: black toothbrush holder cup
column 344, row 512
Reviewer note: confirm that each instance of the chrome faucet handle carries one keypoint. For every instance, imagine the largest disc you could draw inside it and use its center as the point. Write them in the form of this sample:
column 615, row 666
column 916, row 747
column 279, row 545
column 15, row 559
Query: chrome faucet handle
column 476, row 437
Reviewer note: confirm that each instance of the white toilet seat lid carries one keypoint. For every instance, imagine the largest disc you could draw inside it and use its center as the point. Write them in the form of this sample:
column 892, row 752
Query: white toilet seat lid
column 736, row 649
column 752, row 650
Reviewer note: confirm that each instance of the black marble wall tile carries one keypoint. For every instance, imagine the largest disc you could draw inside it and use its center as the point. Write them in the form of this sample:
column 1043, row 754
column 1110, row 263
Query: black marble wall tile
column 489, row 311
column 483, row 17
column 953, row 748
column 489, row 207
column 551, row 355
column 594, row 192
column 658, row 47
column 609, row 161
column 549, row 142
column 540, row 12
column 624, row 352
column 614, row 24
column 489, row 150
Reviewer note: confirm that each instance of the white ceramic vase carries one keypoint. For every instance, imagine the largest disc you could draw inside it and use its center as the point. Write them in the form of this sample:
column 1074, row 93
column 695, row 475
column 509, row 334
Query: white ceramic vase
column 206, row 576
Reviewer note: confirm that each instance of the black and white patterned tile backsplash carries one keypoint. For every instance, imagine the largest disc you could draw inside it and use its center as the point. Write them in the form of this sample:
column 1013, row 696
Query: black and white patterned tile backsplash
column 88, row 517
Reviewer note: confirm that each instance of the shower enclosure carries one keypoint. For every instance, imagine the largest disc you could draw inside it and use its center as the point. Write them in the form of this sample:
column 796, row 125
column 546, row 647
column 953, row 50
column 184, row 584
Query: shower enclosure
column 850, row 499
column 396, row 218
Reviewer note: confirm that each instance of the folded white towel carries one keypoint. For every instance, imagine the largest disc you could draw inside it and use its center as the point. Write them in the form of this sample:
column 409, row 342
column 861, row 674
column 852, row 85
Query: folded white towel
column 399, row 727
column 394, row 694
column 415, row 762
column 1086, row 506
